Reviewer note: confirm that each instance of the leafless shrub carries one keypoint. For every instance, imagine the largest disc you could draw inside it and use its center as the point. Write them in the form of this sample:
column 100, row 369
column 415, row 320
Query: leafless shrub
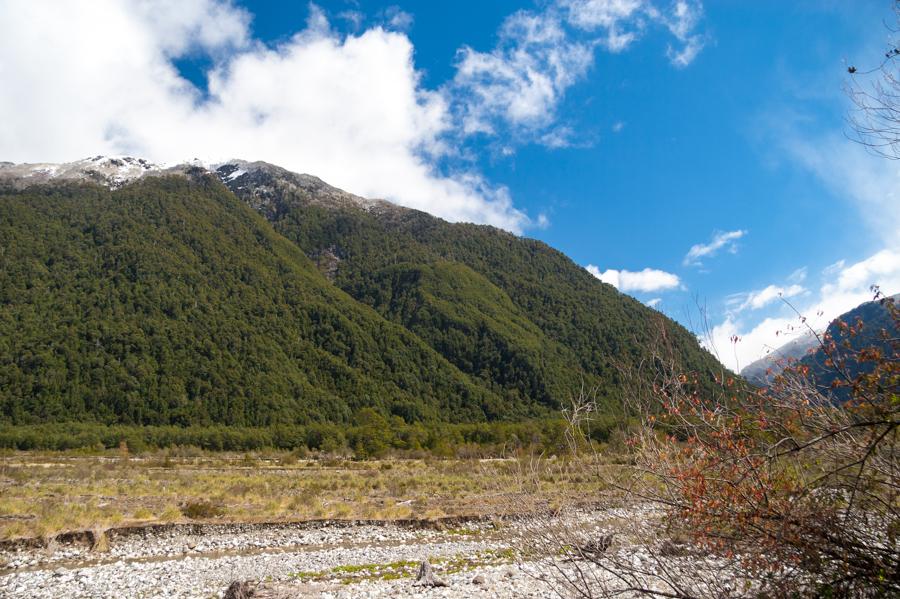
column 875, row 93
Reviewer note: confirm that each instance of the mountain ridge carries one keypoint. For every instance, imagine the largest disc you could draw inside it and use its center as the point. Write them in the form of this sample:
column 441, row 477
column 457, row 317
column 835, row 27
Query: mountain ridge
column 115, row 171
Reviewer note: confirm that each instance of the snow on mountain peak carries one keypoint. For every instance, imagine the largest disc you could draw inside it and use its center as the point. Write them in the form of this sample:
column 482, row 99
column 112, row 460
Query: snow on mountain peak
column 259, row 182
column 112, row 171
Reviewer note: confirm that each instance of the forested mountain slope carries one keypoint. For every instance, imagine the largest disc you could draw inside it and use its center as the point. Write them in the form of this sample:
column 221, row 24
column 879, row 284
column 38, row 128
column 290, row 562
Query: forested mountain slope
column 387, row 257
column 866, row 327
column 171, row 300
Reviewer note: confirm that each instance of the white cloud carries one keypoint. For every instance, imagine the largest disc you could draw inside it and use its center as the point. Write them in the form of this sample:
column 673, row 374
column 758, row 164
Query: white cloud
column 882, row 268
column 798, row 276
column 654, row 302
column 353, row 17
column 645, row 280
column 182, row 25
column 398, row 18
column 594, row 14
column 846, row 288
column 348, row 109
column 560, row 137
column 754, row 300
column 515, row 89
column 521, row 81
column 872, row 185
column 684, row 56
column 871, row 182
column 624, row 21
column 834, row 268
column 682, row 23
column 614, row 17
column 720, row 240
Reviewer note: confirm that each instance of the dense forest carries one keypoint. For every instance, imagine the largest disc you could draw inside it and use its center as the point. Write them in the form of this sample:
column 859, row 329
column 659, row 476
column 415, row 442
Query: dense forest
column 173, row 302
column 493, row 303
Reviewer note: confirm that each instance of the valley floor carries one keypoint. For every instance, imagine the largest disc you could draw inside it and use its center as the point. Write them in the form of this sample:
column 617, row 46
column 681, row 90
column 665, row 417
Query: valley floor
column 330, row 559
column 480, row 558
column 167, row 526
column 183, row 525
column 45, row 494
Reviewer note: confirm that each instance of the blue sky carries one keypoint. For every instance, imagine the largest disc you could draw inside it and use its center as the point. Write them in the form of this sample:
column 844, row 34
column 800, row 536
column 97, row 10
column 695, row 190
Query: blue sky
column 689, row 153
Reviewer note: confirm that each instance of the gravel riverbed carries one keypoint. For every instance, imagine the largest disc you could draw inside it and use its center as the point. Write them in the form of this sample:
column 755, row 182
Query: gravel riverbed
column 327, row 560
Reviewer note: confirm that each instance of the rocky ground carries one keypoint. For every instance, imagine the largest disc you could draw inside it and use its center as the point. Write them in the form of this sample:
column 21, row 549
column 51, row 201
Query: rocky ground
column 332, row 559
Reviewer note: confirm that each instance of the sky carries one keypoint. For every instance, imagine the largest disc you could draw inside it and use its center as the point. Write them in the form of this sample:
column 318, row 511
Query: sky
column 696, row 155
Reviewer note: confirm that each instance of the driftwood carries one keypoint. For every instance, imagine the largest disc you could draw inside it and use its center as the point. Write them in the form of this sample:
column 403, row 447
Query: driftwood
column 426, row 577
column 99, row 541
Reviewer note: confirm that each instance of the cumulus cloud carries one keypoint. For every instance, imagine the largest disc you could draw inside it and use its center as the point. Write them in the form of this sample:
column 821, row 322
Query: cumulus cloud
column 721, row 240
column 843, row 289
column 645, row 280
column 179, row 26
column 349, row 109
column 520, row 82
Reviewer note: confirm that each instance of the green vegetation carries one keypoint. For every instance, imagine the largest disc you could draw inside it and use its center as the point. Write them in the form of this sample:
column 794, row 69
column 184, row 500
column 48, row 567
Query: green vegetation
column 202, row 510
column 513, row 313
column 373, row 436
column 172, row 303
column 352, row 574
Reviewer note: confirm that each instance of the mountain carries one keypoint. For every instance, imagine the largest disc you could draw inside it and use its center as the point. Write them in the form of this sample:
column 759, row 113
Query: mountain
column 807, row 350
column 382, row 255
column 869, row 325
column 763, row 371
column 108, row 171
column 245, row 294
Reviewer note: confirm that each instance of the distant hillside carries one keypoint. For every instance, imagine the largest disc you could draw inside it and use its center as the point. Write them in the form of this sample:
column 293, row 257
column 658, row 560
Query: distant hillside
column 134, row 294
column 764, row 370
column 874, row 329
column 807, row 350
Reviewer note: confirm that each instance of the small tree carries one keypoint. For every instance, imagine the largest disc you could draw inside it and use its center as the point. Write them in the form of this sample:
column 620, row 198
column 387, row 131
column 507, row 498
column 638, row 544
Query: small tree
column 371, row 437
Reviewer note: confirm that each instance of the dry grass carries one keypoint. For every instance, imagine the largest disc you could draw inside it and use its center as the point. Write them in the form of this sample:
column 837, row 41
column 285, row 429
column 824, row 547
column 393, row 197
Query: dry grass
column 43, row 494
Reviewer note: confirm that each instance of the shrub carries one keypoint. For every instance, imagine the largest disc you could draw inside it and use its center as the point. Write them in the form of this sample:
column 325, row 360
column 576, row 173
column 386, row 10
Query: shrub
column 201, row 510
